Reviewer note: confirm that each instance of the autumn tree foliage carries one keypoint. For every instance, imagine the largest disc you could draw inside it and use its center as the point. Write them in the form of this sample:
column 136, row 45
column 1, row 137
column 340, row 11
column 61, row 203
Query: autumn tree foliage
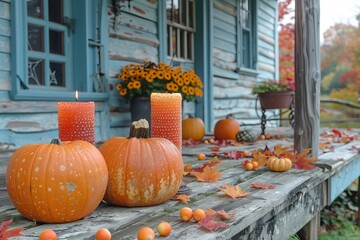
column 341, row 61
column 286, row 40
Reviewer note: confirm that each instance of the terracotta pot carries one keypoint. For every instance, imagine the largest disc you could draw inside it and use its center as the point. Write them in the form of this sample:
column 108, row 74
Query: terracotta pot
column 275, row 100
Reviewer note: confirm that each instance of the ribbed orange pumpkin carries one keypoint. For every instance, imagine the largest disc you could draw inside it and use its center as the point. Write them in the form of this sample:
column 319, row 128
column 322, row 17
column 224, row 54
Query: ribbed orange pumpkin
column 56, row 183
column 226, row 128
column 193, row 128
column 279, row 164
column 142, row 171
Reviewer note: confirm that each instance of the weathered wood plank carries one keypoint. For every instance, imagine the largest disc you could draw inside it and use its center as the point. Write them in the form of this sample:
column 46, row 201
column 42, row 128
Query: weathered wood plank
column 129, row 34
column 308, row 75
column 130, row 51
column 5, row 27
column 225, row 7
column 5, row 62
column 131, row 21
column 4, row 10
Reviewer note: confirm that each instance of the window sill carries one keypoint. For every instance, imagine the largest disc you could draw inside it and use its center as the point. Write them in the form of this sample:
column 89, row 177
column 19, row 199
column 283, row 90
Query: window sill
column 34, row 95
column 247, row 72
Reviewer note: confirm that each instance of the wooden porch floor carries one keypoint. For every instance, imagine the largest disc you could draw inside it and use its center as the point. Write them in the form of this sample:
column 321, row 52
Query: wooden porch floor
column 263, row 214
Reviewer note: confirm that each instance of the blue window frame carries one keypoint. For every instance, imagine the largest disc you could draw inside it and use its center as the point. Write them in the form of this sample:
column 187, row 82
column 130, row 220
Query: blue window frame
column 57, row 48
column 247, row 34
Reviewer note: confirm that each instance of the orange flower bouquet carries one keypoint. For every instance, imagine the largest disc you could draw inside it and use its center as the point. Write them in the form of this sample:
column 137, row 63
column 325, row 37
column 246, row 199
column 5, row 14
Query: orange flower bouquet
column 144, row 79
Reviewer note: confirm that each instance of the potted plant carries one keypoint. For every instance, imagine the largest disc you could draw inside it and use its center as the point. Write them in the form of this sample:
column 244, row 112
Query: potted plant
column 138, row 81
column 275, row 94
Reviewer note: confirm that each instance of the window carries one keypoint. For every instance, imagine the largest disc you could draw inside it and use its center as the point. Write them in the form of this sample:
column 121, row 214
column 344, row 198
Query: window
column 247, row 34
column 180, row 29
column 57, row 48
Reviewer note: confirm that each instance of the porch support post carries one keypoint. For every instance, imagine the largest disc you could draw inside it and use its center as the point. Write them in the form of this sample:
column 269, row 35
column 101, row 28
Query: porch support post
column 307, row 75
column 307, row 87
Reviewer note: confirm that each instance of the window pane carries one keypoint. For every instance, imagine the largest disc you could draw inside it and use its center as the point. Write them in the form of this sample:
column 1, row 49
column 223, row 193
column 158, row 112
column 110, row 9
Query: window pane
column 189, row 46
column 191, row 14
column 246, row 49
column 169, row 10
column 182, row 44
column 176, row 11
column 56, row 40
column 36, row 71
column 174, row 43
column 57, row 72
column 56, row 11
column 245, row 18
column 35, row 38
column 35, row 8
column 183, row 12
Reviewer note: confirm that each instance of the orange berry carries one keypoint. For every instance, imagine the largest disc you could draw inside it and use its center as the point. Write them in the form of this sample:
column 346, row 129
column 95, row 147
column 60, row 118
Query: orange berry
column 186, row 214
column 145, row 233
column 199, row 214
column 245, row 153
column 262, row 137
column 206, row 142
column 103, row 234
column 48, row 234
column 211, row 140
column 164, row 229
column 249, row 166
column 255, row 165
column 201, row 156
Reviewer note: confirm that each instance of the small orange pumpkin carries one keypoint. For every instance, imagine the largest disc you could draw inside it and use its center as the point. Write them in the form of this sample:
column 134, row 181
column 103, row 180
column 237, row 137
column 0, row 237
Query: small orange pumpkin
column 193, row 128
column 56, row 182
column 226, row 128
column 142, row 171
column 279, row 164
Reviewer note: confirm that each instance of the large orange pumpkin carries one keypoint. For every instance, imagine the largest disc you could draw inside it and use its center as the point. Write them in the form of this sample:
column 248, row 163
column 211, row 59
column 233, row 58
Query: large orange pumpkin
column 142, row 171
column 226, row 128
column 56, row 183
column 193, row 128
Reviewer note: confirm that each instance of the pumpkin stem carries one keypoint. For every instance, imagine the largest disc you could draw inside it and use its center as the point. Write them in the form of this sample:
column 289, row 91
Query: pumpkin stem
column 229, row 116
column 56, row 141
column 139, row 129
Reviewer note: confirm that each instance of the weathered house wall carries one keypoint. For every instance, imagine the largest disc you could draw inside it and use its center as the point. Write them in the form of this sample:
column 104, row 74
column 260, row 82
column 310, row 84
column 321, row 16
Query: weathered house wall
column 133, row 36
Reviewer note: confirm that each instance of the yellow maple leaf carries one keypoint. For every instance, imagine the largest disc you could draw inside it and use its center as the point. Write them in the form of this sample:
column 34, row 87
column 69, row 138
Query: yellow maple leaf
column 260, row 158
column 280, row 150
column 208, row 175
column 233, row 191
column 187, row 169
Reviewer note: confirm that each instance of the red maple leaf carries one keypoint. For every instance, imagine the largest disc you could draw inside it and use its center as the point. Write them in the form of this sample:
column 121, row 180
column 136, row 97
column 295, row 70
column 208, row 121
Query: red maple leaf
column 336, row 132
column 302, row 160
column 209, row 223
column 190, row 142
column 262, row 186
column 211, row 163
column 222, row 214
column 5, row 234
column 233, row 154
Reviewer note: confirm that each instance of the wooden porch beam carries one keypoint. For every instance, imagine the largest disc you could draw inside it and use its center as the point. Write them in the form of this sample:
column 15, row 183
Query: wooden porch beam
column 307, row 75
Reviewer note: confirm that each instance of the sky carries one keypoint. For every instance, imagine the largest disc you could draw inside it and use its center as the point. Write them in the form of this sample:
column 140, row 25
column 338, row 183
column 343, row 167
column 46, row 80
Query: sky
column 335, row 11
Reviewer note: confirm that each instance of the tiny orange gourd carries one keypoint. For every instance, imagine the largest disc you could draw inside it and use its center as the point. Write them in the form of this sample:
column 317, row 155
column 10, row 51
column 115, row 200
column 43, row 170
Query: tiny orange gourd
column 226, row 128
column 193, row 128
column 279, row 164
column 143, row 171
column 56, row 182
column 145, row 233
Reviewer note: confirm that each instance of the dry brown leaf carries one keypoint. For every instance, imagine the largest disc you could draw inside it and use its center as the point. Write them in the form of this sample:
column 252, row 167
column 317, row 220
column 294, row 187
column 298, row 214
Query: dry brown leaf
column 222, row 214
column 208, row 175
column 183, row 197
column 233, row 191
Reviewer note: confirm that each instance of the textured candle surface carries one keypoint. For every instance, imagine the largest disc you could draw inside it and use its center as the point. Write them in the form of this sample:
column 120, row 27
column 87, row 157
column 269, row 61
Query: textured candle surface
column 76, row 121
column 166, row 115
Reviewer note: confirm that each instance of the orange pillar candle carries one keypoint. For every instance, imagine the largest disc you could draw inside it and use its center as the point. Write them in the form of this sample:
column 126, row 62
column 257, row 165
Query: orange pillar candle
column 166, row 117
column 76, row 121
